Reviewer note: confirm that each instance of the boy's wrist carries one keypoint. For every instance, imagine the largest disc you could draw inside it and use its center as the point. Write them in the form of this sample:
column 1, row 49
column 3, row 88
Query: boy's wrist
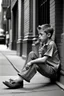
column 32, row 62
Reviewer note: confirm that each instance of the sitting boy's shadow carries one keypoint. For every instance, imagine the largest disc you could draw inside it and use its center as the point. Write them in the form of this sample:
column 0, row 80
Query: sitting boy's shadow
column 34, row 87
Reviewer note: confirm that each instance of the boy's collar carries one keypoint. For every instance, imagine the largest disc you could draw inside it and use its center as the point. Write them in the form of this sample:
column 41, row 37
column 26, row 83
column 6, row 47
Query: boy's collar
column 45, row 44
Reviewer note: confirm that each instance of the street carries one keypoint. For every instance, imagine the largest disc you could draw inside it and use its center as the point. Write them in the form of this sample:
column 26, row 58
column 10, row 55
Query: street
column 39, row 85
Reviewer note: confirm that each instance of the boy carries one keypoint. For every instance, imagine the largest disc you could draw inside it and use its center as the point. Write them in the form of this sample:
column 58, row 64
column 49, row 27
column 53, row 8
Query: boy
column 47, row 63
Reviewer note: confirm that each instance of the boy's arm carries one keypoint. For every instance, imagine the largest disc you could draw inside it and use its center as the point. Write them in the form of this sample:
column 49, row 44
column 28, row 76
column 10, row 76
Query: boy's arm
column 38, row 60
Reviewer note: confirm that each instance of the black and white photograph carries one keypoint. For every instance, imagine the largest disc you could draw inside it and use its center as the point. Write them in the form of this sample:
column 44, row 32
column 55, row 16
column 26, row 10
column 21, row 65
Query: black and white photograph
column 31, row 47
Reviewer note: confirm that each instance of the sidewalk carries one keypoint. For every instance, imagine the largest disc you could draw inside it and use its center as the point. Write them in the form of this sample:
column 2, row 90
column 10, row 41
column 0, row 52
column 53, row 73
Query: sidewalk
column 39, row 85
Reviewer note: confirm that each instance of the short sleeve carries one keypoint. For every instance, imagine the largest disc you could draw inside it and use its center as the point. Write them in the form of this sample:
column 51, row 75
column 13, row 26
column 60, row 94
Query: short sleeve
column 49, row 51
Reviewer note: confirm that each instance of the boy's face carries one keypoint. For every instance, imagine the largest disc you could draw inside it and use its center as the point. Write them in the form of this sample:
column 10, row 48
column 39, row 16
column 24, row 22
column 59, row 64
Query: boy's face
column 42, row 36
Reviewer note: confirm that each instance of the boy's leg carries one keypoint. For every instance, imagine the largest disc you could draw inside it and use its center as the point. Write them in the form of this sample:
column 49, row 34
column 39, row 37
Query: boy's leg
column 32, row 55
column 47, row 71
column 27, row 74
column 43, row 69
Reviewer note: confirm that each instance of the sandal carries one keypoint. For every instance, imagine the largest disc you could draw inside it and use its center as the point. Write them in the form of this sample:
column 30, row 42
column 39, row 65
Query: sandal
column 11, row 80
column 13, row 85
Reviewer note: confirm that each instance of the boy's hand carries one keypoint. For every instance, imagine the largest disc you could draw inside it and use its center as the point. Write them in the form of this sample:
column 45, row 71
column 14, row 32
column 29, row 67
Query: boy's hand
column 28, row 64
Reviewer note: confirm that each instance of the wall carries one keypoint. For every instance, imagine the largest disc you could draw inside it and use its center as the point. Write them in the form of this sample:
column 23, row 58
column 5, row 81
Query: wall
column 57, row 21
column 27, row 41
column 62, row 49
column 52, row 15
column 26, row 17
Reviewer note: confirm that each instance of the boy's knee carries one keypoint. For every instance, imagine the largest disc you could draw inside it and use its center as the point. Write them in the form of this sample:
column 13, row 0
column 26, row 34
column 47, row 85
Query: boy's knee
column 32, row 54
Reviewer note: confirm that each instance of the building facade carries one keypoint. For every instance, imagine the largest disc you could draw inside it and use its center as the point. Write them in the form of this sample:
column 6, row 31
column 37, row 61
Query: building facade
column 26, row 15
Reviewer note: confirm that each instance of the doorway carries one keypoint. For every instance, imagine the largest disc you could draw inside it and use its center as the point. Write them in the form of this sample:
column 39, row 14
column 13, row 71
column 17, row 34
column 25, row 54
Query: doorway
column 43, row 11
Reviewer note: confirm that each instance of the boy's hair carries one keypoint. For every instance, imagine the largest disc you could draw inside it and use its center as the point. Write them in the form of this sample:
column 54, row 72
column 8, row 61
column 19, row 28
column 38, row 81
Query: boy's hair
column 46, row 28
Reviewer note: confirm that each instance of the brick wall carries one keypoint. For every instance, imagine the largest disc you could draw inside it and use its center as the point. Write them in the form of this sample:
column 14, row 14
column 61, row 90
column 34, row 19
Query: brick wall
column 59, row 34
column 26, row 16
column 59, row 19
column 56, row 18
column 27, row 41
column 62, row 43
column 59, row 25
column 52, row 15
